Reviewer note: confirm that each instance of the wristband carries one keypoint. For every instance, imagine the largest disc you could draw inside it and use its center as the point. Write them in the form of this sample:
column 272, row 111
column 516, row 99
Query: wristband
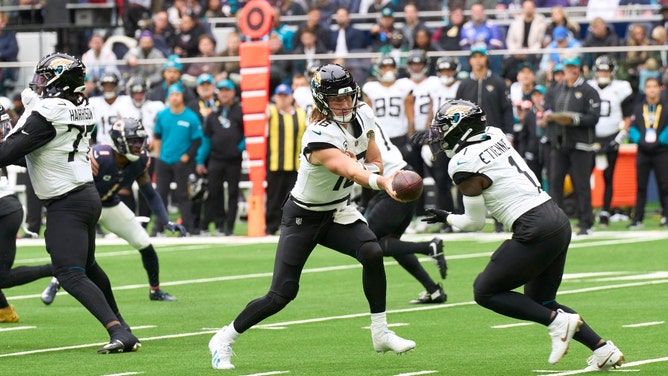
column 373, row 182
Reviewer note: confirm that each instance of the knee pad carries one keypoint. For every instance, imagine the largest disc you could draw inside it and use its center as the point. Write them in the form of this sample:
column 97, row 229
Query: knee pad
column 370, row 252
column 278, row 301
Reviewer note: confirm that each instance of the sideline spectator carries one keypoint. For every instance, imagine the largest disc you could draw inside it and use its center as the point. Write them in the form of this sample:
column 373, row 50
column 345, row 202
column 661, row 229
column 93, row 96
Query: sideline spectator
column 229, row 69
column 633, row 61
column 206, row 45
column 347, row 38
column 527, row 31
column 99, row 59
column 9, row 51
column 381, row 31
column 649, row 129
column 283, row 30
column 482, row 32
column 287, row 124
column 448, row 36
column 308, row 48
column 559, row 18
column 223, row 145
column 575, row 110
column 412, row 23
column 561, row 38
column 599, row 35
column 164, row 34
column 187, row 37
column 171, row 74
column 135, row 13
column 177, row 142
column 313, row 17
column 145, row 50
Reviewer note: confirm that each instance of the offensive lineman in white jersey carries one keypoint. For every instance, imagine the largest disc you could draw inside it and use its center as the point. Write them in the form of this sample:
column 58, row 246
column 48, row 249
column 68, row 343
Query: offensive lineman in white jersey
column 338, row 149
column 55, row 140
column 493, row 176
column 616, row 110
column 392, row 102
column 110, row 107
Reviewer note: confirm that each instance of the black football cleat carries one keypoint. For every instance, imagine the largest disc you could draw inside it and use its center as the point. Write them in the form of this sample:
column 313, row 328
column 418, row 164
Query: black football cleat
column 159, row 294
column 129, row 343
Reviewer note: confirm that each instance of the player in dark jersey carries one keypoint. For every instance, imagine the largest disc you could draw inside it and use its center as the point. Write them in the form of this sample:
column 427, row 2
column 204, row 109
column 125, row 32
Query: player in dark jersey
column 11, row 216
column 493, row 176
column 115, row 167
column 55, row 138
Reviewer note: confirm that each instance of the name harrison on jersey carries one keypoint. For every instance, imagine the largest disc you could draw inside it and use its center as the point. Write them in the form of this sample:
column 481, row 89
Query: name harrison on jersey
column 79, row 114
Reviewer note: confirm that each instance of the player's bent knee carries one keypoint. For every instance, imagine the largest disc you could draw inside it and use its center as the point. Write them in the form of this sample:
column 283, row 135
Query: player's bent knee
column 370, row 252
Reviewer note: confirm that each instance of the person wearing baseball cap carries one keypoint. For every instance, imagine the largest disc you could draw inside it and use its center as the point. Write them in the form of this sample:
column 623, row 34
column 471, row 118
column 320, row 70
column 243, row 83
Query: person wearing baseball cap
column 224, row 143
column 172, row 70
column 573, row 109
column 286, row 125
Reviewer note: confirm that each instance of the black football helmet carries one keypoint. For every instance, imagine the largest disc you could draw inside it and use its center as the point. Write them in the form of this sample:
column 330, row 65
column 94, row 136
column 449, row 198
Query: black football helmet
column 137, row 84
column 605, row 63
column 333, row 80
column 128, row 137
column 447, row 63
column 418, row 57
column 57, row 75
column 457, row 121
column 109, row 78
column 5, row 123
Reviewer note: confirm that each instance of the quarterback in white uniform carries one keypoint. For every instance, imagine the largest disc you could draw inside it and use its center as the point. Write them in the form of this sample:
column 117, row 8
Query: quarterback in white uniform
column 317, row 211
column 492, row 176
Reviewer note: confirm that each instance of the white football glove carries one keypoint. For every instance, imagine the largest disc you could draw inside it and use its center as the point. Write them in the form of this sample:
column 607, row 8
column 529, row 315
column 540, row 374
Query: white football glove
column 29, row 99
column 427, row 155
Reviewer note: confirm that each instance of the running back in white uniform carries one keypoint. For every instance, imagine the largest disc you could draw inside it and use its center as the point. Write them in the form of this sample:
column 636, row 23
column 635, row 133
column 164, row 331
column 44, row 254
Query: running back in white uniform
column 317, row 188
column 514, row 189
column 389, row 104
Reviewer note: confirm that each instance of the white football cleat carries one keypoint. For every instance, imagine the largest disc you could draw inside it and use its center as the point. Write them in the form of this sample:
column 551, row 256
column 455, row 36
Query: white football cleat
column 386, row 340
column 562, row 330
column 605, row 358
column 221, row 352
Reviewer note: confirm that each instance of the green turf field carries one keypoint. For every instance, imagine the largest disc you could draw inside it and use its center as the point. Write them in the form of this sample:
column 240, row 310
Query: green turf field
column 617, row 280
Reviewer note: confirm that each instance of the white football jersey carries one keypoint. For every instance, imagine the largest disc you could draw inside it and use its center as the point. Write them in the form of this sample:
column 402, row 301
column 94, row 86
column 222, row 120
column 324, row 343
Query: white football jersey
column 107, row 114
column 514, row 189
column 389, row 104
column 441, row 93
column 423, row 102
column 304, row 99
column 317, row 188
column 149, row 110
column 612, row 97
column 62, row 164
column 393, row 160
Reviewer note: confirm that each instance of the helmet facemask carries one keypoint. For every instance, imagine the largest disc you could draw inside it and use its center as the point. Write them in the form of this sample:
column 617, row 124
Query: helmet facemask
column 129, row 138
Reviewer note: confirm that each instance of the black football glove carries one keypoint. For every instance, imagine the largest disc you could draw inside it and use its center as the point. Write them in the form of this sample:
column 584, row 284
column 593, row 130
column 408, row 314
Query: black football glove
column 420, row 137
column 436, row 215
column 174, row 227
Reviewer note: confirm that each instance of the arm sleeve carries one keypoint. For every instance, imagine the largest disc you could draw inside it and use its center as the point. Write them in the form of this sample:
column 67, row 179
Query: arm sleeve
column 473, row 218
column 35, row 133
column 154, row 202
column 203, row 151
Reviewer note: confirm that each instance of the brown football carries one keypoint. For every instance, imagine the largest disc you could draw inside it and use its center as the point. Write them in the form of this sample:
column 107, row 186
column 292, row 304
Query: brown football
column 407, row 185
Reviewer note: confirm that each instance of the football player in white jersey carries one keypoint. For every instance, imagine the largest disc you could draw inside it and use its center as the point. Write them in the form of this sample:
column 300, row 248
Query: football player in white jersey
column 492, row 176
column 447, row 70
column 338, row 149
column 55, row 140
column 301, row 88
column 110, row 106
column 11, row 216
column 392, row 101
column 615, row 119
column 389, row 218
